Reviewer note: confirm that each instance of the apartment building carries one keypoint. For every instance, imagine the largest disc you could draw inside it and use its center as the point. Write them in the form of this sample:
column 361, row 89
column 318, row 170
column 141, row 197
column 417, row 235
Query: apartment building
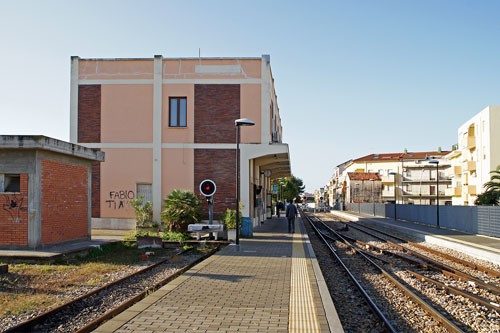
column 169, row 123
column 338, row 183
column 477, row 154
column 407, row 178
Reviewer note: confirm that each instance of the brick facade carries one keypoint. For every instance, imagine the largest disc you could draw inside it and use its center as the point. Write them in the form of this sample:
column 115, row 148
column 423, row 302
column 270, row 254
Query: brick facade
column 96, row 189
column 218, row 165
column 14, row 215
column 216, row 107
column 64, row 201
column 89, row 113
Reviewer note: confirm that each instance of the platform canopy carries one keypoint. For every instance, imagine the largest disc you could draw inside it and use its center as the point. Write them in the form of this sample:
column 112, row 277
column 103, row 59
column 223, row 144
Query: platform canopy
column 277, row 162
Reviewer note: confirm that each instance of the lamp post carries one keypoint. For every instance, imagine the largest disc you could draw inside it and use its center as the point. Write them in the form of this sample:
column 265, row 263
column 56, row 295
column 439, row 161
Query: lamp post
column 392, row 173
column 437, row 190
column 238, row 123
column 373, row 197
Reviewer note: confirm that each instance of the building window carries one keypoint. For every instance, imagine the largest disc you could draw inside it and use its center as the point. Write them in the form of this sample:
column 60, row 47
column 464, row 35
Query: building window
column 178, row 112
column 432, row 190
column 10, row 183
column 146, row 191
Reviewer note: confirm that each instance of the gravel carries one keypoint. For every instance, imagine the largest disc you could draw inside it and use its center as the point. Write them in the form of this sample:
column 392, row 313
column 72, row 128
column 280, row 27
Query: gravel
column 83, row 312
column 465, row 313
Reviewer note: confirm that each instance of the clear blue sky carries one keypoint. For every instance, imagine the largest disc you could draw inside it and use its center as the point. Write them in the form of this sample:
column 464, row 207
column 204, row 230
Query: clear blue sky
column 352, row 77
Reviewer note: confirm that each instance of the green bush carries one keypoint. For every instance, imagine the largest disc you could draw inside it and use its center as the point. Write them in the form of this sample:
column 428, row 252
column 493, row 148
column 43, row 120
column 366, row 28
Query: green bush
column 174, row 236
column 141, row 233
column 181, row 208
column 143, row 212
column 229, row 218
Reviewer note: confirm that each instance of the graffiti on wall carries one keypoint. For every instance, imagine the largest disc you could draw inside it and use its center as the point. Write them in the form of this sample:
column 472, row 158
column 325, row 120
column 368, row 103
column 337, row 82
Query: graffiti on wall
column 14, row 206
column 120, row 199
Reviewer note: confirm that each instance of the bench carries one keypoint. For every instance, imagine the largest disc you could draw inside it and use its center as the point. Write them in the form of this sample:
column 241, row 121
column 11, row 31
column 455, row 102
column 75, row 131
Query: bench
column 199, row 228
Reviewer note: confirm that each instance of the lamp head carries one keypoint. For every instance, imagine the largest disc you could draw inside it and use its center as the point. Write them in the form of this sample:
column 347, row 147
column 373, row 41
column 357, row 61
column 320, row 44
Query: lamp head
column 244, row 122
column 392, row 173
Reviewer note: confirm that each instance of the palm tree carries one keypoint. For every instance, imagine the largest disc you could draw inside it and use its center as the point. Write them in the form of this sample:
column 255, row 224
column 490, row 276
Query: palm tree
column 181, row 208
column 491, row 196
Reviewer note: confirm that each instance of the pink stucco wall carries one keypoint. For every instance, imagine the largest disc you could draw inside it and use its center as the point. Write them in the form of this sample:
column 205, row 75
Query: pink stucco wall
column 115, row 69
column 119, row 175
column 186, row 68
column 177, row 170
column 126, row 113
column 179, row 134
column 250, row 108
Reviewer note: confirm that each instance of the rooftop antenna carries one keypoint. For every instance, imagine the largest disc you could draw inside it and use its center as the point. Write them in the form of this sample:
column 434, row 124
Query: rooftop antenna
column 199, row 52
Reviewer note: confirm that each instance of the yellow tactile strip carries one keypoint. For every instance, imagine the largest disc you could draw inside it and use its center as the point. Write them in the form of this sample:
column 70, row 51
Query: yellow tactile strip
column 302, row 316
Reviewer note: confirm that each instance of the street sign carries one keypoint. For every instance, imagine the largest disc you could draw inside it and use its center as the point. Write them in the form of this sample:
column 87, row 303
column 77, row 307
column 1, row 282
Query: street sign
column 275, row 189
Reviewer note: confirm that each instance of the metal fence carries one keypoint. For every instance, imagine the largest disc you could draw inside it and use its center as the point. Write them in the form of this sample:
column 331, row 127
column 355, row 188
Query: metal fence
column 482, row 220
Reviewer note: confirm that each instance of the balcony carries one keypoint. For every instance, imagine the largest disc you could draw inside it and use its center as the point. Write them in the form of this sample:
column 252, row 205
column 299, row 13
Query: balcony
column 457, row 170
column 470, row 189
column 469, row 166
column 388, row 179
column 453, row 191
column 469, row 142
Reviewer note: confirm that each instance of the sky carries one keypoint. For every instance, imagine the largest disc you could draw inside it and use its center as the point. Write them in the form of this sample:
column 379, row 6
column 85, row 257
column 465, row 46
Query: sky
column 352, row 77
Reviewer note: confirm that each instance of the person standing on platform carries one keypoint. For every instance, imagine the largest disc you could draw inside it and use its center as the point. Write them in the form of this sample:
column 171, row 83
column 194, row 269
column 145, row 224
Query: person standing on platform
column 278, row 208
column 291, row 213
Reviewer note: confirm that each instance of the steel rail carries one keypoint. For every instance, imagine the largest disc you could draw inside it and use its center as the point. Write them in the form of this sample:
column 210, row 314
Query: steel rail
column 453, row 290
column 450, row 326
column 367, row 297
column 438, row 253
column 28, row 325
column 131, row 301
column 453, row 272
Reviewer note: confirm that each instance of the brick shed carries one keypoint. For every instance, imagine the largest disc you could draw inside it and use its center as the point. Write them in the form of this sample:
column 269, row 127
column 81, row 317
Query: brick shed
column 45, row 189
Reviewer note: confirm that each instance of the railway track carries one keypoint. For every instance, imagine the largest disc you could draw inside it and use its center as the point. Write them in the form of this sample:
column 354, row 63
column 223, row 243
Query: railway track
column 466, row 299
column 476, row 278
column 381, row 282
column 87, row 312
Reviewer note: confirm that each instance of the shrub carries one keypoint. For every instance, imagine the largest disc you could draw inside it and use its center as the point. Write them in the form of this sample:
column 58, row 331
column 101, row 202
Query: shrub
column 181, row 208
column 174, row 236
column 229, row 218
column 143, row 212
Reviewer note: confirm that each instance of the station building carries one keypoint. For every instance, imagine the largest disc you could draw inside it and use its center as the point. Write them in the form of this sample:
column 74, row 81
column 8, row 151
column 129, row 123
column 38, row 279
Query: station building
column 169, row 123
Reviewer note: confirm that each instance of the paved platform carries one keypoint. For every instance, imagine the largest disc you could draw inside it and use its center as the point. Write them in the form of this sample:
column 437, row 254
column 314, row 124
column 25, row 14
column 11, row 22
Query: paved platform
column 482, row 247
column 269, row 283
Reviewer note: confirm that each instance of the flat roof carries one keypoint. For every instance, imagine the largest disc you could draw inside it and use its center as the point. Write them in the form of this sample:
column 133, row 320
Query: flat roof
column 174, row 58
column 46, row 143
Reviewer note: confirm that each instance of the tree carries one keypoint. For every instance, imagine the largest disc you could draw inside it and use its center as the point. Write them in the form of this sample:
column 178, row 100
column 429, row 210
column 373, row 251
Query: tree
column 181, row 208
column 292, row 188
column 491, row 196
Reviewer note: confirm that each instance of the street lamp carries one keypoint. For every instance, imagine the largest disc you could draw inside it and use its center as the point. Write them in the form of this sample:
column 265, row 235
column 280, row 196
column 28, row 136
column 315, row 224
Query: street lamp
column 373, row 197
column 392, row 173
column 437, row 190
column 238, row 123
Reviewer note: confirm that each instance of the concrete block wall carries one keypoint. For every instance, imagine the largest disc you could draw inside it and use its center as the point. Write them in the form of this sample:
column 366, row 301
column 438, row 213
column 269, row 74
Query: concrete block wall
column 14, row 215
